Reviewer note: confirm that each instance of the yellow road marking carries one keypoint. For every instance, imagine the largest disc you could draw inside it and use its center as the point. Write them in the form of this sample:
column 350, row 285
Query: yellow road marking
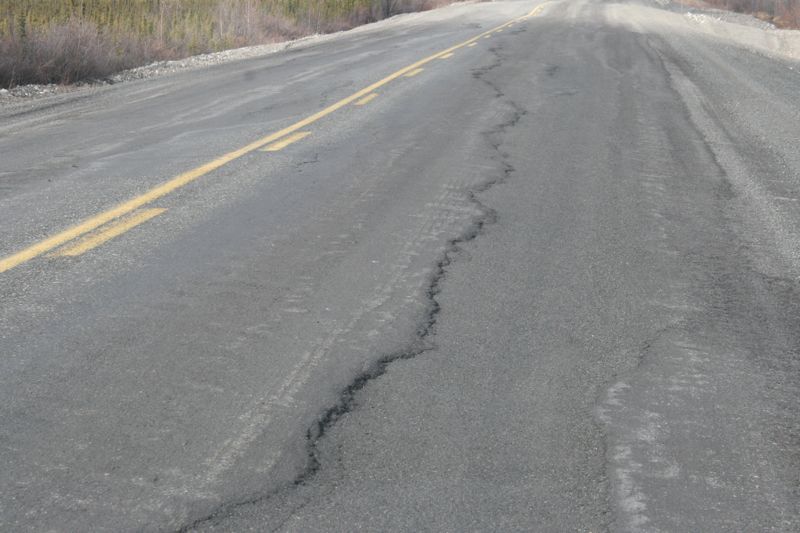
column 109, row 232
column 92, row 223
column 367, row 99
column 446, row 56
column 536, row 10
column 286, row 141
column 413, row 72
column 472, row 44
column 487, row 36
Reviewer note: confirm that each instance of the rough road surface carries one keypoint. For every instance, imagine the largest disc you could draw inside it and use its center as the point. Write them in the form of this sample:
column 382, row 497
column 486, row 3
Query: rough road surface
column 546, row 283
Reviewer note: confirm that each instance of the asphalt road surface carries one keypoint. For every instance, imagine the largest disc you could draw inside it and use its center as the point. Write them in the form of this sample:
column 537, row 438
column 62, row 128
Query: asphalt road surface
column 546, row 280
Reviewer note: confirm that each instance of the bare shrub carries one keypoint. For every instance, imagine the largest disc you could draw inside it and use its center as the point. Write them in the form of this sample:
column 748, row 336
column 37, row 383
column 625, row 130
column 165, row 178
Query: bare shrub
column 248, row 22
column 789, row 15
column 58, row 53
column 68, row 52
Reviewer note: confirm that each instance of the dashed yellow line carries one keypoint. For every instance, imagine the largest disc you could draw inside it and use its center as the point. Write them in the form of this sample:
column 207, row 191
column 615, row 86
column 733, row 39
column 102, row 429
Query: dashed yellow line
column 367, row 99
column 93, row 240
column 446, row 56
column 472, row 44
column 286, row 141
column 413, row 73
column 92, row 223
column 536, row 11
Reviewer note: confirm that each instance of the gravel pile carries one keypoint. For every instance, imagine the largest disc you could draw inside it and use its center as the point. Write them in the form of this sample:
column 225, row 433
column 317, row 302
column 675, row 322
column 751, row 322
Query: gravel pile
column 710, row 16
column 32, row 91
column 160, row 68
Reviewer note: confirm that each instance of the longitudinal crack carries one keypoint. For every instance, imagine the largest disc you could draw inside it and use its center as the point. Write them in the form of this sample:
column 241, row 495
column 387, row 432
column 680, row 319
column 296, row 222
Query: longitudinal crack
column 422, row 343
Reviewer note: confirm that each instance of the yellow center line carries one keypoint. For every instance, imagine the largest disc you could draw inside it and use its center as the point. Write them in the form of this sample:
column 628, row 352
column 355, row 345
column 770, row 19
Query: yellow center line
column 472, row 44
column 446, row 56
column 92, row 223
column 286, row 141
column 413, row 72
column 119, row 227
column 367, row 99
column 536, row 10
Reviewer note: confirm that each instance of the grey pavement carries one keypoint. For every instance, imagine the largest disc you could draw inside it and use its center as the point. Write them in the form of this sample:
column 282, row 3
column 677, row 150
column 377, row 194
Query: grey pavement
column 546, row 284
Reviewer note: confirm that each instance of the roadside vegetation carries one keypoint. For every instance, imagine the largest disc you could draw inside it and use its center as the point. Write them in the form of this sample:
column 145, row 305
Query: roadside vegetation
column 782, row 13
column 65, row 41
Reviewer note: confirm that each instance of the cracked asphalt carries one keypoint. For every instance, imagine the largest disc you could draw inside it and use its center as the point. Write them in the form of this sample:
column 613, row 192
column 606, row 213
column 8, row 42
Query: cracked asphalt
column 546, row 284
